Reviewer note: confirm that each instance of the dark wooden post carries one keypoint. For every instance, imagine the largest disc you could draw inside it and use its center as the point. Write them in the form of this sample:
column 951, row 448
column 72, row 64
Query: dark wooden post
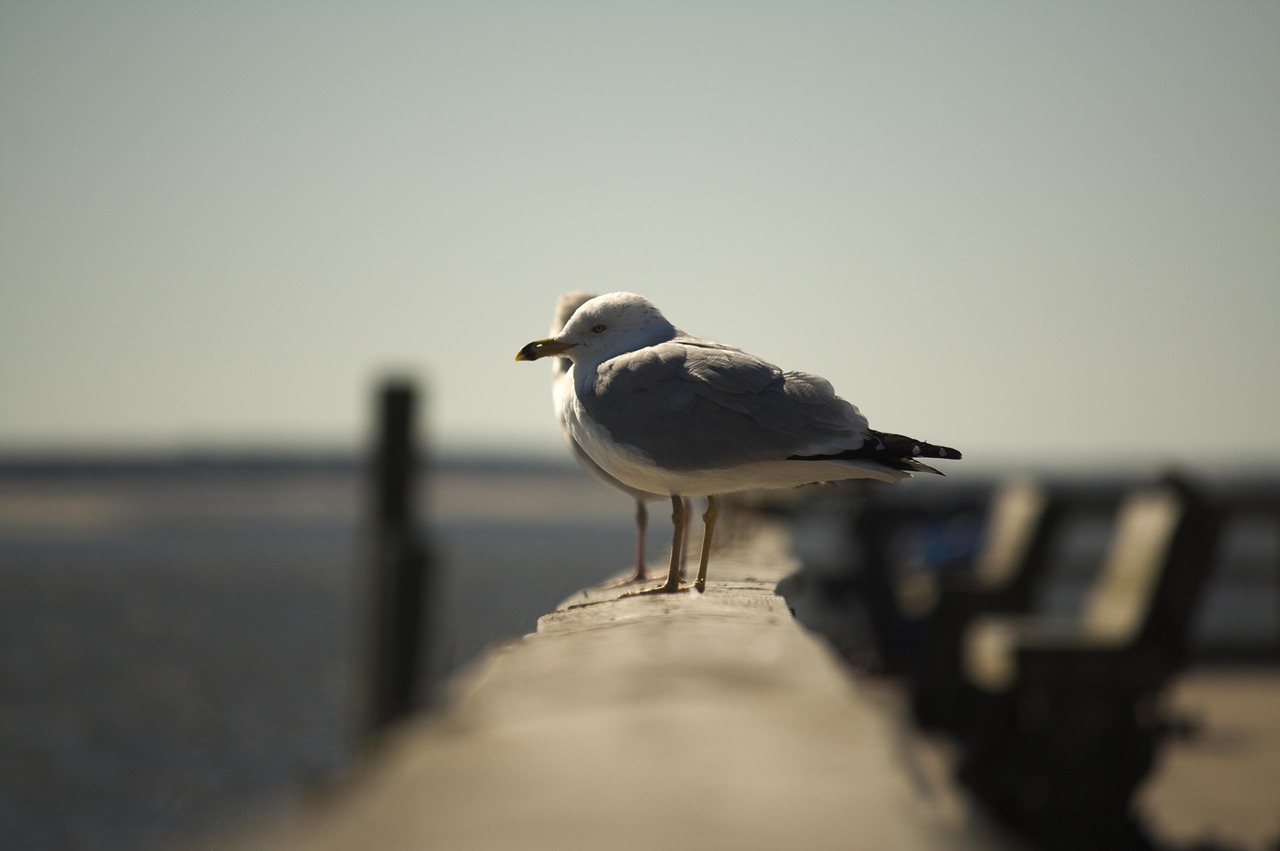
column 396, row 583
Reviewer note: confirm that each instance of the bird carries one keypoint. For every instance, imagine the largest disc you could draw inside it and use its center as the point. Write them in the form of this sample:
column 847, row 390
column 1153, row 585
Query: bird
column 667, row 412
column 561, row 393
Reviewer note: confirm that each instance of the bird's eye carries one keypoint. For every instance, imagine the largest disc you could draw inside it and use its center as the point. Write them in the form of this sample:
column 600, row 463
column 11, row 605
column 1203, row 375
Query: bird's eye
column 596, row 329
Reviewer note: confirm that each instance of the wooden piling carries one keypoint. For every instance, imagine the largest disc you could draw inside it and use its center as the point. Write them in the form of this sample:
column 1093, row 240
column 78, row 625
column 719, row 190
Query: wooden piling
column 395, row 583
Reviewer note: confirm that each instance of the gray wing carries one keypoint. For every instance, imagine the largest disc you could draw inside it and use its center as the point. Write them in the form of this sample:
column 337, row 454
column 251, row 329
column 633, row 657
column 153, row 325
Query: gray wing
column 694, row 404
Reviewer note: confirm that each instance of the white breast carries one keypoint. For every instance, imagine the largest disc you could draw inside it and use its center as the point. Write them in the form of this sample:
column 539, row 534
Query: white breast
column 625, row 463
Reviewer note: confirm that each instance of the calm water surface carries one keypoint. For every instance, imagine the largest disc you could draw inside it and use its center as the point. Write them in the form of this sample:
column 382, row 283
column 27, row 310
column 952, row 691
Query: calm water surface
column 175, row 640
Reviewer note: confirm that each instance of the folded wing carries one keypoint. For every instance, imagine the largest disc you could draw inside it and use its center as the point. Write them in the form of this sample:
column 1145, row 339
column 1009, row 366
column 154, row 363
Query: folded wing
column 694, row 404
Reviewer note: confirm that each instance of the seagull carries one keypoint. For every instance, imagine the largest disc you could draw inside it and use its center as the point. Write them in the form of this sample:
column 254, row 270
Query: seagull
column 665, row 412
column 561, row 394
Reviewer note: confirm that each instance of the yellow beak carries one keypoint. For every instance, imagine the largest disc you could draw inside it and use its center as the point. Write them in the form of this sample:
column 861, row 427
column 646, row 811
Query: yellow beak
column 543, row 349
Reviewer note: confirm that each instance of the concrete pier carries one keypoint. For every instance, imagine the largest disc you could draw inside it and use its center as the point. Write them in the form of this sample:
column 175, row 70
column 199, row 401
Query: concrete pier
column 668, row 721
column 714, row 721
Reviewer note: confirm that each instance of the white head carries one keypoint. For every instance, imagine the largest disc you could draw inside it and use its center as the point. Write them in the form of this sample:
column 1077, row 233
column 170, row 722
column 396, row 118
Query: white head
column 566, row 305
column 604, row 327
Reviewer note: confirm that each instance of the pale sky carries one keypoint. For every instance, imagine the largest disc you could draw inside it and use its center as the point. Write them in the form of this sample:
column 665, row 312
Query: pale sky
column 1033, row 231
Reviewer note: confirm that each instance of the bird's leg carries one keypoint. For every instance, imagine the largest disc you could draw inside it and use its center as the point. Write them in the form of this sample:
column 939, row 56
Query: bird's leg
column 642, row 524
column 708, row 528
column 673, row 573
column 684, row 539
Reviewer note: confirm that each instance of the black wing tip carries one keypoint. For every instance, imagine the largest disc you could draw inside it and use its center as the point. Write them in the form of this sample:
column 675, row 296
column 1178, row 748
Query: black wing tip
column 895, row 451
column 901, row 446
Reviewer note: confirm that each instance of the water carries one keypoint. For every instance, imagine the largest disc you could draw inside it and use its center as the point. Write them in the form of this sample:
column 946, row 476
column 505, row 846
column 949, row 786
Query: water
column 176, row 639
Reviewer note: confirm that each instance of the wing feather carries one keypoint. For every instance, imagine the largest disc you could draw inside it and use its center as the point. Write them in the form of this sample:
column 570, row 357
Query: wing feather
column 699, row 405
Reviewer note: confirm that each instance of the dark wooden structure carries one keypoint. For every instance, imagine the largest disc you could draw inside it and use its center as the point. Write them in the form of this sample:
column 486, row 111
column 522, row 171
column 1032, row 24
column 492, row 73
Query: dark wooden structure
column 1020, row 532
column 396, row 581
column 1071, row 717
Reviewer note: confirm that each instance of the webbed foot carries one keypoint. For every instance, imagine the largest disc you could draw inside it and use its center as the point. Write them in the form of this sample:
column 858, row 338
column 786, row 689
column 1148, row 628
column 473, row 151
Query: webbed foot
column 667, row 588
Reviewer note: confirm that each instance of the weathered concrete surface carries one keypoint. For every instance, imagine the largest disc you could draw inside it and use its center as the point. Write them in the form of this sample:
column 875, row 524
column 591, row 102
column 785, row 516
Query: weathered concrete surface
column 688, row 721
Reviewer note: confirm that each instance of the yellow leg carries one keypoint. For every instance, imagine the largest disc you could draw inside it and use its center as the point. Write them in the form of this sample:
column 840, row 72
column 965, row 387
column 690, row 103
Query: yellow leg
column 642, row 523
column 684, row 542
column 708, row 528
column 677, row 539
